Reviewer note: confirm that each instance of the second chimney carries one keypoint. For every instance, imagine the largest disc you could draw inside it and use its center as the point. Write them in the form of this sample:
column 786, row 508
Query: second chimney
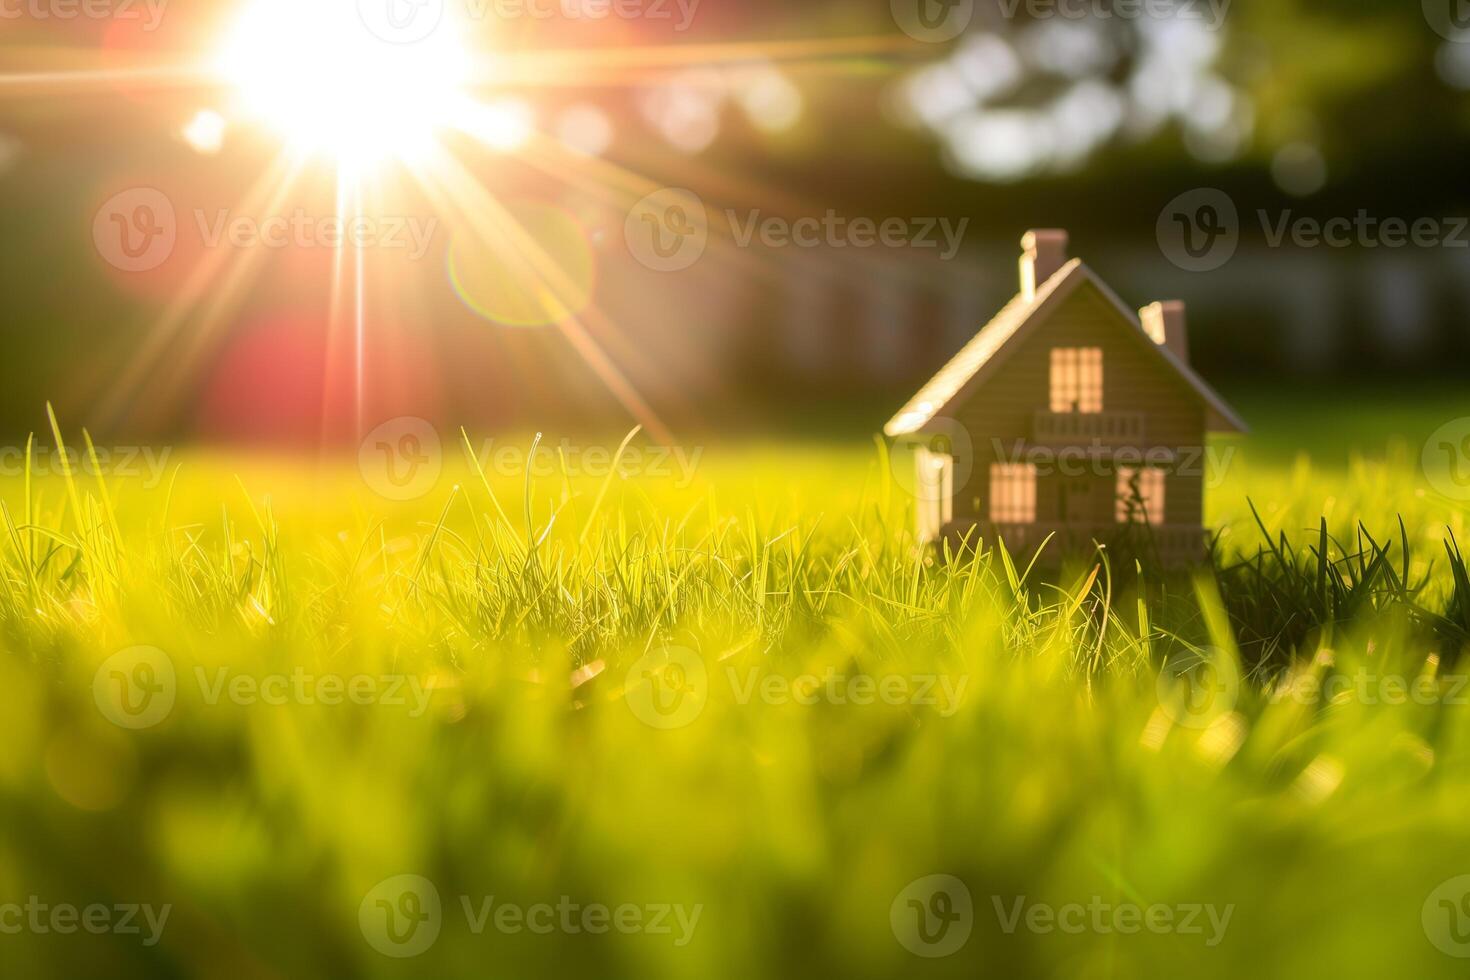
column 1043, row 254
column 1166, row 324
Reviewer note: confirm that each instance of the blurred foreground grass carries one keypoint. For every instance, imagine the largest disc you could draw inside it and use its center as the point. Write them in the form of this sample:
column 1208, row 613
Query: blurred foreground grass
column 740, row 704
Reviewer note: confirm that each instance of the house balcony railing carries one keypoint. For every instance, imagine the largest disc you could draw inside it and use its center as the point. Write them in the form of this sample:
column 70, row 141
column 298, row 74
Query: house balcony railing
column 1082, row 428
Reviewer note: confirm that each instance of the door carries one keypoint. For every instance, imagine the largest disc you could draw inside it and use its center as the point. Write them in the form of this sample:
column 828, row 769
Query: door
column 933, row 492
column 1076, row 504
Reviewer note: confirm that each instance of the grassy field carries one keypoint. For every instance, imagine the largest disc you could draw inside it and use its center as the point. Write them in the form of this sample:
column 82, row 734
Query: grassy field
column 723, row 719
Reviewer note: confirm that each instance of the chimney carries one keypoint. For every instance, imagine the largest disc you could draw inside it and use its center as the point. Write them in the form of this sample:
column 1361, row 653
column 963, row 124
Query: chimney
column 1166, row 325
column 1043, row 254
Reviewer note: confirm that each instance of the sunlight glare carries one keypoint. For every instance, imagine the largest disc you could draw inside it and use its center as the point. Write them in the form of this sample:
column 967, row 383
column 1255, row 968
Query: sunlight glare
column 317, row 75
column 504, row 125
column 205, row 133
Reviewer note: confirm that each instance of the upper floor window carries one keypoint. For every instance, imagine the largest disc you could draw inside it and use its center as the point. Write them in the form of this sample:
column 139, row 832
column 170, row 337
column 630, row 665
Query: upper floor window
column 1077, row 379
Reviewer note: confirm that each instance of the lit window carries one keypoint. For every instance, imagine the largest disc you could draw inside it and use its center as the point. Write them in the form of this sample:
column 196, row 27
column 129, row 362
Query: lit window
column 1013, row 493
column 1140, row 495
column 1077, row 379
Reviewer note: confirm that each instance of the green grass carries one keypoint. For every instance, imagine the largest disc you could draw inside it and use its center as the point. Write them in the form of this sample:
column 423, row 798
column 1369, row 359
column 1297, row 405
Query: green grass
column 1052, row 766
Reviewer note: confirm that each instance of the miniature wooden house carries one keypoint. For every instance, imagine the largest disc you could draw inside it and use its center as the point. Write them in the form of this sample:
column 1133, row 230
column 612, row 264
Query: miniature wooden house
column 1068, row 415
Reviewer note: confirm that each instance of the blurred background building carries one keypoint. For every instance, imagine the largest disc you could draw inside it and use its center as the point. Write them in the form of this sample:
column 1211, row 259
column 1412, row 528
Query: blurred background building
column 1078, row 116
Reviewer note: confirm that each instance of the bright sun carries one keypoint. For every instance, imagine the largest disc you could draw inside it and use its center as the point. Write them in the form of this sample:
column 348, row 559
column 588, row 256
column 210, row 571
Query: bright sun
column 316, row 74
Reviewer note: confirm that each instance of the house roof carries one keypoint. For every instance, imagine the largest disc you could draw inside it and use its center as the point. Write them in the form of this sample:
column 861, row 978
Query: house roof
column 981, row 357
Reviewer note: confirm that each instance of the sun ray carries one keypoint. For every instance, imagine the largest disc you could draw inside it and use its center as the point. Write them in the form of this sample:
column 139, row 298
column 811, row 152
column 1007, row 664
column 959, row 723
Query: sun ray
column 211, row 287
column 631, row 65
column 105, row 81
column 334, row 313
column 607, row 67
column 621, row 187
column 496, row 226
column 359, row 318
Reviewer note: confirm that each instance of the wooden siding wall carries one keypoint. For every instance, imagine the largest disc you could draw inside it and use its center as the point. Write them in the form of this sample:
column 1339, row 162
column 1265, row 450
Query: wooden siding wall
column 1133, row 381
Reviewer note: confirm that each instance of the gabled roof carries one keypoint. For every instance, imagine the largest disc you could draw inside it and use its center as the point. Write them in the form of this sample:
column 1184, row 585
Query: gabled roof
column 981, row 357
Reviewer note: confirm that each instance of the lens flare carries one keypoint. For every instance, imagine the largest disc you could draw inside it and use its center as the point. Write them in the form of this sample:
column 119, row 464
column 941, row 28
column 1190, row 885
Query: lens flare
column 495, row 278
